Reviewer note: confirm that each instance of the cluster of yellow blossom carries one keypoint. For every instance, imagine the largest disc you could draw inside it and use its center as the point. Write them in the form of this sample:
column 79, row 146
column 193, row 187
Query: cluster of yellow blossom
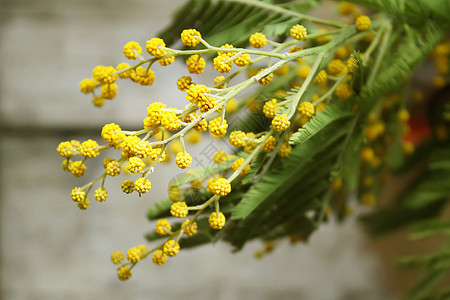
column 207, row 108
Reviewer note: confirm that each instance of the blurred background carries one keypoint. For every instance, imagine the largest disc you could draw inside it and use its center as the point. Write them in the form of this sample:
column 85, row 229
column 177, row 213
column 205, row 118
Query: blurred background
column 52, row 250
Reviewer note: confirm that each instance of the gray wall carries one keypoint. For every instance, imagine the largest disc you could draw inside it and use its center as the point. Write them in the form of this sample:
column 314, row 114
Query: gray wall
column 52, row 250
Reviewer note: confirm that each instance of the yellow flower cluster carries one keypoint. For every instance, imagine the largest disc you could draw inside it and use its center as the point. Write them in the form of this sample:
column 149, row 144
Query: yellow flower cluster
column 217, row 221
column 298, row 32
column 195, row 64
column 165, row 130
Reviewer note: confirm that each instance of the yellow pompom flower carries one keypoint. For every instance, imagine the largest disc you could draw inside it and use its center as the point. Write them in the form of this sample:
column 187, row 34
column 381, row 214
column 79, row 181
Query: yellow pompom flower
column 104, row 75
column 89, row 149
column 77, row 194
column 106, row 161
column 284, row 150
column 362, row 23
column 157, row 152
column 110, row 133
column 101, row 194
column 171, row 248
column 220, row 156
column 166, row 60
column 201, row 126
column 124, row 273
column 175, row 194
column 303, row 71
column 127, row 186
column 343, row 52
column 237, row 164
column 219, row 79
column 408, row 147
column 298, row 32
column 197, row 184
column 306, row 109
column 242, row 60
column 77, row 168
column 228, row 54
column 322, row 78
column 211, row 185
column 324, row 38
column 281, row 122
column 281, row 70
column 179, row 209
column 344, row 91
column 373, row 131
column 68, row 149
column 142, row 185
column 128, row 144
column 163, row 227
column 153, row 47
column 368, row 199
column 183, row 160
column 170, row 121
column 336, row 184
column 221, row 64
column 88, row 85
column 367, row 154
column 132, row 50
column 231, row 106
column 83, row 204
column 184, row 82
column 135, row 165
column 65, row 165
column 195, row 64
column 258, row 40
column 188, row 37
column 269, row 144
column 266, row 79
column 98, row 101
column 222, row 186
column 270, row 108
column 142, row 76
column 191, row 229
column 108, row 91
column 176, row 147
column 112, row 168
column 438, row 82
column 237, row 138
column 117, row 257
column 216, row 221
column 346, row 8
column 159, row 258
column 193, row 137
column 403, row 115
column 155, row 111
column 336, row 67
column 196, row 93
column 217, row 127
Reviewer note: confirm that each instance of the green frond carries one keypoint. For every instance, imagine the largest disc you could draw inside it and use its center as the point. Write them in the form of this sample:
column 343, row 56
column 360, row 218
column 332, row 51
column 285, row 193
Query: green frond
column 413, row 12
column 333, row 113
column 277, row 181
column 234, row 21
